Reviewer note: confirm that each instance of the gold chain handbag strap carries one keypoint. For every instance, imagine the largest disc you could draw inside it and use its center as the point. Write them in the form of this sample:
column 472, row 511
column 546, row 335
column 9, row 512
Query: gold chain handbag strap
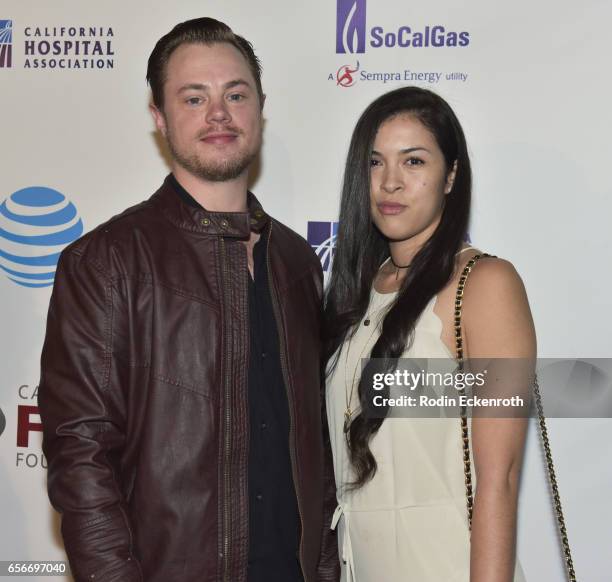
column 465, row 436
column 552, row 478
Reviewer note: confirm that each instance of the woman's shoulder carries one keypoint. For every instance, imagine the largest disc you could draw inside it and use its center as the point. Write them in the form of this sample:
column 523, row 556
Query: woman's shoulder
column 486, row 275
column 490, row 275
column 497, row 317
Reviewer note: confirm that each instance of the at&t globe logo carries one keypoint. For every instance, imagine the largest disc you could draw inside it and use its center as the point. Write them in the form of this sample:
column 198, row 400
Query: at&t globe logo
column 36, row 224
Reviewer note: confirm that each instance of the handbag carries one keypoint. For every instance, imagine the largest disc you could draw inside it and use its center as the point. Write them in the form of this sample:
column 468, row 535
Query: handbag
column 465, row 436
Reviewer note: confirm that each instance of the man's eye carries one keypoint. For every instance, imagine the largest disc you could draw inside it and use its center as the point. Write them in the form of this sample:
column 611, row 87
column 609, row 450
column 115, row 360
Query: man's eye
column 236, row 97
column 194, row 100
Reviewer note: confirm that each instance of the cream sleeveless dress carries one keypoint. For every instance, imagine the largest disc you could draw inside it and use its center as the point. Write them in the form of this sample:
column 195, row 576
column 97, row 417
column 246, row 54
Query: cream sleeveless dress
column 409, row 523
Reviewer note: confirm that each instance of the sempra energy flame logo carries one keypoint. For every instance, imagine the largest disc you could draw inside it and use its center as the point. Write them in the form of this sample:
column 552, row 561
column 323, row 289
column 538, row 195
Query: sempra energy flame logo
column 344, row 76
column 351, row 26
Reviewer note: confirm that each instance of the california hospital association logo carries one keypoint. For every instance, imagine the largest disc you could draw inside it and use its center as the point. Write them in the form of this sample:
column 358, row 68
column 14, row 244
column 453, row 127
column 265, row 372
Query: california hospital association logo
column 6, row 44
column 36, row 224
column 322, row 238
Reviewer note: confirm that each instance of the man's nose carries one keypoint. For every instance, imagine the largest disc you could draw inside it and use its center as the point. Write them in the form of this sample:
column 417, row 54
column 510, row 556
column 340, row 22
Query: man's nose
column 218, row 111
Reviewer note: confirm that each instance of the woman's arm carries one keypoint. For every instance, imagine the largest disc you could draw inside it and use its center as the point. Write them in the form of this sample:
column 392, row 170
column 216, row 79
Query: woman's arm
column 497, row 324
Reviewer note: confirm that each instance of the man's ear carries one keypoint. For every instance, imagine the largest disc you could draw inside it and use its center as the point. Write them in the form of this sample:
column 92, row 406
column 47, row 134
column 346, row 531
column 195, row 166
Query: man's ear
column 263, row 101
column 158, row 117
column 450, row 179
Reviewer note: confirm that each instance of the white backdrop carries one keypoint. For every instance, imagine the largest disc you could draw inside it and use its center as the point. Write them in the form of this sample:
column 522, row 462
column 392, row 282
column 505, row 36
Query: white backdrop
column 531, row 89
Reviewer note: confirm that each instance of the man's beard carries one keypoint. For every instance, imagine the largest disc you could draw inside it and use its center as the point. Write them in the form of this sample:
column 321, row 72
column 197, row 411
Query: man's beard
column 213, row 171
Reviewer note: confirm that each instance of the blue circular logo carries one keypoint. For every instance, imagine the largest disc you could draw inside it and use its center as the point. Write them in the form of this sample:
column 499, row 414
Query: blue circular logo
column 36, row 224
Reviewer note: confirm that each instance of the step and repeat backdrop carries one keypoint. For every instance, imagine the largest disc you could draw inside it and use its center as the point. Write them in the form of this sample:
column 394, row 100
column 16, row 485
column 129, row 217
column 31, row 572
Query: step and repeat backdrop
column 529, row 83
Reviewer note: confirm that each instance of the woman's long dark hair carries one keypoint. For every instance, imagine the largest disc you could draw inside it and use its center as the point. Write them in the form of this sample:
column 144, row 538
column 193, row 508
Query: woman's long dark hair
column 361, row 248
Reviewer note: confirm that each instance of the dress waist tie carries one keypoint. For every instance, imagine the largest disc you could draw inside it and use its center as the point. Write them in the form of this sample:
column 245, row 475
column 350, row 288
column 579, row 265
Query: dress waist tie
column 347, row 548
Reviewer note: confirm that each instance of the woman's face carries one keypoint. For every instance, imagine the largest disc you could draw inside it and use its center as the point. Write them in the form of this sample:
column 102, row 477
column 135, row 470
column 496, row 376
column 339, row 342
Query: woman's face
column 408, row 180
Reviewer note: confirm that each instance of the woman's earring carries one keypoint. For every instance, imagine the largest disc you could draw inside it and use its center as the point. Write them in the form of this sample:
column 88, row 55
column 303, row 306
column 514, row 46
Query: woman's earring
column 451, row 176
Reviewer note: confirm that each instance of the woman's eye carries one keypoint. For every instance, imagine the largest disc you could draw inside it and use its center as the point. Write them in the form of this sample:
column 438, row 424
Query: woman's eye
column 374, row 162
column 414, row 162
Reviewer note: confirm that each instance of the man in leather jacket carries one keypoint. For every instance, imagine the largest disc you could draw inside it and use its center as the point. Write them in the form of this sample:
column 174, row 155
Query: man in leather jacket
column 180, row 385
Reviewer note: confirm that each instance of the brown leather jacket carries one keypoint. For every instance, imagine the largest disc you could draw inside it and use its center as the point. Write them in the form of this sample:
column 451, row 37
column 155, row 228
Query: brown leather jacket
column 143, row 394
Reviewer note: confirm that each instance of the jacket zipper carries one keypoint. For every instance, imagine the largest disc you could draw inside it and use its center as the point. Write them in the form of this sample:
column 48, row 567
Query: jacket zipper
column 226, row 432
column 281, row 338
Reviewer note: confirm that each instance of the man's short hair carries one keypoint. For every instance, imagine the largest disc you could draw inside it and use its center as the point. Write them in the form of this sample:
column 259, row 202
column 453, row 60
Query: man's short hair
column 206, row 31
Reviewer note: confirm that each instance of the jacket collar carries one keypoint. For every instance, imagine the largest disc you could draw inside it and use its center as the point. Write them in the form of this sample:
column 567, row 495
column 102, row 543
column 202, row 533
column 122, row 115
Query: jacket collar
column 199, row 220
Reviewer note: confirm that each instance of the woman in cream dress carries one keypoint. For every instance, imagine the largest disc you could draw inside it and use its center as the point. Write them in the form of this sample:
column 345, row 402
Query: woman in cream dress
column 401, row 514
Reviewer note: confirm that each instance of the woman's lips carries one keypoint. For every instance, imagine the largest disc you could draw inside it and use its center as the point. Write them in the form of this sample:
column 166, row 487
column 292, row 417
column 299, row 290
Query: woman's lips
column 390, row 208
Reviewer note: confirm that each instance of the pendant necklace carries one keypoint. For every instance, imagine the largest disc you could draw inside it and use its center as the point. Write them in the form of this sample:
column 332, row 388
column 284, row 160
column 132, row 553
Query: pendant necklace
column 398, row 267
column 348, row 413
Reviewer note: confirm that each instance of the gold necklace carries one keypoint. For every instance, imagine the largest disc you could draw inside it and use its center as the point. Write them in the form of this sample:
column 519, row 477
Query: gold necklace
column 348, row 398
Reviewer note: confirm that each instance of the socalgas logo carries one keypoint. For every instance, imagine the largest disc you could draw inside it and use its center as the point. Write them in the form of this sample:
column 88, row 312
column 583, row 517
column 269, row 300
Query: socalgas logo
column 322, row 238
column 36, row 224
column 350, row 26
column 6, row 44
column 353, row 35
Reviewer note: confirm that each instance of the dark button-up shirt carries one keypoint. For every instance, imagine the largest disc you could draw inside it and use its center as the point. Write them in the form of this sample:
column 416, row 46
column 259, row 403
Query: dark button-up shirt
column 273, row 513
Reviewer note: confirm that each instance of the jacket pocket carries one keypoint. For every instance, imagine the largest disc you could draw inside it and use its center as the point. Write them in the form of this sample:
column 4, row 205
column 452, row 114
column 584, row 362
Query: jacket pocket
column 176, row 337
